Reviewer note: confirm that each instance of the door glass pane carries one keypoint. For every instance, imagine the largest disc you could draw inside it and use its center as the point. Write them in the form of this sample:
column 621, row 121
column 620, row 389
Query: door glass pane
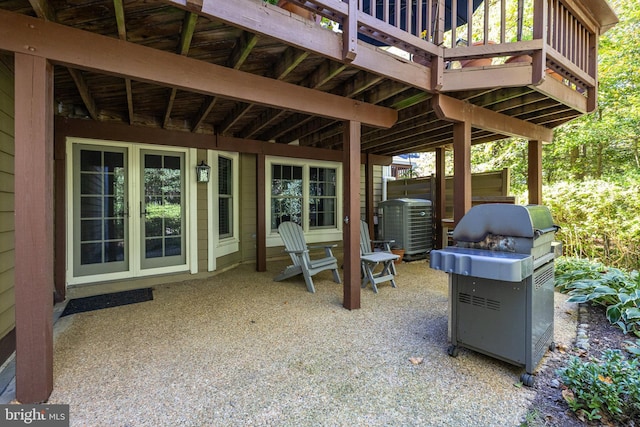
column 91, row 253
column 114, row 251
column 100, row 209
column 163, row 210
column 153, row 248
column 91, row 161
column 90, row 229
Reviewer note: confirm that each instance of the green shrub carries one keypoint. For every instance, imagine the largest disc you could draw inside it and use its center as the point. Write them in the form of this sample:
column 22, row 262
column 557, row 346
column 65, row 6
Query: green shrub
column 599, row 220
column 617, row 290
column 606, row 390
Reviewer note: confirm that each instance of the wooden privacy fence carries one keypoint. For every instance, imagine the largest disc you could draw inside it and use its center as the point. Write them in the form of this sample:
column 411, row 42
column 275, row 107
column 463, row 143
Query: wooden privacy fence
column 486, row 187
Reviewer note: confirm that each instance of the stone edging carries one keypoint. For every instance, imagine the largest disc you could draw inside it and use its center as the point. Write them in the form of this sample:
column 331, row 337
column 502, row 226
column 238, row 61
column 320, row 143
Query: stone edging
column 582, row 335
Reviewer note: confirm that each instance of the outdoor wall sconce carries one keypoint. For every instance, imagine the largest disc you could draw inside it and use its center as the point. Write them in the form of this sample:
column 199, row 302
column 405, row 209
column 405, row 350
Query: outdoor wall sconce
column 203, row 172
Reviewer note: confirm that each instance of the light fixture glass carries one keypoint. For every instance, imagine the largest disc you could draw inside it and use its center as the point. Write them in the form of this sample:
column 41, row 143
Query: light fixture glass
column 203, row 172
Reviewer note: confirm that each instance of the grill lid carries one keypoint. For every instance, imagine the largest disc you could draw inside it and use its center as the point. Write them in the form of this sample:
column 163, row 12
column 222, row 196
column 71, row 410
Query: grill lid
column 504, row 220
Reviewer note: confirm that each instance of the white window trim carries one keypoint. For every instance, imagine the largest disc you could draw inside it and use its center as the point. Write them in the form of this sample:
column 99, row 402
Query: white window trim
column 135, row 269
column 311, row 235
column 220, row 247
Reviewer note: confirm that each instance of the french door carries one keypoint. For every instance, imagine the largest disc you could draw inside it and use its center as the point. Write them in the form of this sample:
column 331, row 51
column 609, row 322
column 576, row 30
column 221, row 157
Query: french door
column 162, row 209
column 128, row 210
column 100, row 210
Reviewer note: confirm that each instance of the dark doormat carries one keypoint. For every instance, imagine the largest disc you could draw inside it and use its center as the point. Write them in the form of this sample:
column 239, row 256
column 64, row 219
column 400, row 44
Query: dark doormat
column 98, row 302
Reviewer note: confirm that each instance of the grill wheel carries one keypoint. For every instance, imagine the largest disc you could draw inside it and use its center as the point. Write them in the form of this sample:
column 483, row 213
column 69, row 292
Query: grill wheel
column 527, row 379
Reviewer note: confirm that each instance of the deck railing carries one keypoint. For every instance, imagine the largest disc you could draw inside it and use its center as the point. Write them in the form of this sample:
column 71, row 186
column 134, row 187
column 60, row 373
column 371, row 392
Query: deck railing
column 555, row 36
column 570, row 38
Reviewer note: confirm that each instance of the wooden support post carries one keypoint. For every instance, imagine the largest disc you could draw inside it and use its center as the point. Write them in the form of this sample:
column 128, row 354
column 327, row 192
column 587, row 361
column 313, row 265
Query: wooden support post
column 350, row 32
column 351, row 233
column 34, row 228
column 368, row 204
column 440, row 199
column 461, row 169
column 540, row 24
column 261, row 227
column 592, row 93
column 534, row 176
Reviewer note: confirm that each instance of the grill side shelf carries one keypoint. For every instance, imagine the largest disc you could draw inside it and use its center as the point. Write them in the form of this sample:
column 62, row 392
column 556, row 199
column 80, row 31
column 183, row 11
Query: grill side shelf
column 504, row 266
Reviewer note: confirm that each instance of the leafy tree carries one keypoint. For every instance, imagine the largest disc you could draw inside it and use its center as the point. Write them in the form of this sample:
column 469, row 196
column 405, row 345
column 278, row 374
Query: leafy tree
column 601, row 145
column 606, row 143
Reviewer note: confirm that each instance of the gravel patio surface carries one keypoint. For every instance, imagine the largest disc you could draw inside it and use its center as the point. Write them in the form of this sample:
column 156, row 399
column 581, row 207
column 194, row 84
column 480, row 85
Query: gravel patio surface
column 239, row 349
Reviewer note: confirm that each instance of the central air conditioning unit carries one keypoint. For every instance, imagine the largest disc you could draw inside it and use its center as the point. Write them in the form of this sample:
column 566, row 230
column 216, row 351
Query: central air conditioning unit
column 410, row 223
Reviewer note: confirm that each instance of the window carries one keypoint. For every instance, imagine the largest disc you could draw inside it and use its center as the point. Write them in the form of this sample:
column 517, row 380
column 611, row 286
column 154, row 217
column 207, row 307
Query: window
column 286, row 194
column 322, row 197
column 307, row 193
column 224, row 209
column 225, row 197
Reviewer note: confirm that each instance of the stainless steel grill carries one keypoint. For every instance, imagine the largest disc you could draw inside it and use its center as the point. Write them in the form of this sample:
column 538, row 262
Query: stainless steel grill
column 501, row 275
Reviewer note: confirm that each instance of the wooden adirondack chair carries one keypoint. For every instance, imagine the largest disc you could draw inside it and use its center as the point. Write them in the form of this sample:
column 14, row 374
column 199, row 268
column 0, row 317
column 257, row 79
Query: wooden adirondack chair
column 293, row 237
column 369, row 259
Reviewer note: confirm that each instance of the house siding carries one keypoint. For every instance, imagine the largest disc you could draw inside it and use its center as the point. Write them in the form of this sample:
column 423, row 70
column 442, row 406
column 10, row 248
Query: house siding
column 7, row 254
column 202, row 219
column 248, row 218
column 377, row 190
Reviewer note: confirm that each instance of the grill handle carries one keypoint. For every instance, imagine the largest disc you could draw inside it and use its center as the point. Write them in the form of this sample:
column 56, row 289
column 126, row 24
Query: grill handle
column 541, row 231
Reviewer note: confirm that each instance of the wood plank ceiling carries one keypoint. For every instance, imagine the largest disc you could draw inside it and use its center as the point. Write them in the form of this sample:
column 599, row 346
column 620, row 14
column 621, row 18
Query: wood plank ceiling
column 164, row 27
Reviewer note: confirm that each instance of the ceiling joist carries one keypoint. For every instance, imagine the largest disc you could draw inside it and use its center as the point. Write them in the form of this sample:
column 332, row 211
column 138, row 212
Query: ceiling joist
column 77, row 48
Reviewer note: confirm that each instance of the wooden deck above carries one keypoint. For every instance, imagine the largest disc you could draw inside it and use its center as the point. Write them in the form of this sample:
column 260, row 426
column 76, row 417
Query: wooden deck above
column 273, row 48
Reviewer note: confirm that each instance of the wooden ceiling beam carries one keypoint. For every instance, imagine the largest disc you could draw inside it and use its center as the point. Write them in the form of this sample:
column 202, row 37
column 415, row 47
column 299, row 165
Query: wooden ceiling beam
column 549, row 115
column 531, row 105
column 489, row 98
column 486, row 78
column 84, row 91
column 120, row 21
column 478, row 137
column 43, row 9
column 89, row 51
column 242, row 49
column 186, row 35
column 236, row 113
column 323, row 74
column 277, row 23
column 308, row 129
column 127, row 84
column 122, row 34
column 205, row 109
column 559, row 91
column 361, row 82
column 438, row 138
column 414, row 112
column 403, row 102
column 383, row 92
column 241, row 52
column 267, row 118
column 505, row 104
column 286, row 126
column 167, row 114
column 452, row 109
column 430, row 125
column 288, row 62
